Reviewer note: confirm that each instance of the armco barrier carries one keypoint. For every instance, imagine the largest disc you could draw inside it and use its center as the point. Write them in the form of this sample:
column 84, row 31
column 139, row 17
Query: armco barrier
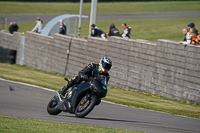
column 165, row 67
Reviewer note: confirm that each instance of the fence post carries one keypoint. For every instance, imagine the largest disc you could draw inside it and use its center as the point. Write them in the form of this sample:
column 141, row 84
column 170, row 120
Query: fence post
column 68, row 52
column 75, row 27
column 5, row 24
column 22, row 44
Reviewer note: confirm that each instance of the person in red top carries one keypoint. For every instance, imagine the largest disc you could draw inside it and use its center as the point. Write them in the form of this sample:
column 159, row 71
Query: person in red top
column 197, row 39
column 189, row 36
column 126, row 33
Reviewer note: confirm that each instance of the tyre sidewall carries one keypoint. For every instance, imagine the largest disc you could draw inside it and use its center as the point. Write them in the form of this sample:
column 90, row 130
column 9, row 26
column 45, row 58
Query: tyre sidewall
column 53, row 111
column 88, row 110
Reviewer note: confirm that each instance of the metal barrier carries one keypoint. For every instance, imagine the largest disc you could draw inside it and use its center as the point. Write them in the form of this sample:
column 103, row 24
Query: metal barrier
column 3, row 23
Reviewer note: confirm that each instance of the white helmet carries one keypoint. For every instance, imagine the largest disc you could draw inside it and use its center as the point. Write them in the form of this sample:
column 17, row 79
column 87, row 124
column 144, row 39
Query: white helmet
column 105, row 64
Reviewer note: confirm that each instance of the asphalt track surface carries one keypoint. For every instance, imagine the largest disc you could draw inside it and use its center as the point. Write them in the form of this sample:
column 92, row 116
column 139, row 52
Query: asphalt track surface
column 28, row 18
column 28, row 101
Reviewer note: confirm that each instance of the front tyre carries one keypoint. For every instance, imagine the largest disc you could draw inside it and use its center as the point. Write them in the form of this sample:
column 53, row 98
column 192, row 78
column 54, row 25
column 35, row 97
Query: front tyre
column 52, row 107
column 84, row 107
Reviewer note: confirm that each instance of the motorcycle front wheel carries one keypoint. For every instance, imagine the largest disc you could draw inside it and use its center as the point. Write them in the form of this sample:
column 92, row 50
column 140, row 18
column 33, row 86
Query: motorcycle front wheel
column 52, row 107
column 85, row 106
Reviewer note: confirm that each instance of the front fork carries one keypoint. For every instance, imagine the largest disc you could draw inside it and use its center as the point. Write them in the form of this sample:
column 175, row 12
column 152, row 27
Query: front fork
column 85, row 98
column 63, row 104
column 58, row 98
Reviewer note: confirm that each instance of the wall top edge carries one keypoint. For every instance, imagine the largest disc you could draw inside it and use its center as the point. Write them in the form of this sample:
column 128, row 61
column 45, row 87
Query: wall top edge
column 168, row 40
column 96, row 38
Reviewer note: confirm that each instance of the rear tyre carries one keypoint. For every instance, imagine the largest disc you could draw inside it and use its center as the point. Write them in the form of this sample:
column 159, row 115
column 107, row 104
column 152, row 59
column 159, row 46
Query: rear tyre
column 52, row 107
column 84, row 107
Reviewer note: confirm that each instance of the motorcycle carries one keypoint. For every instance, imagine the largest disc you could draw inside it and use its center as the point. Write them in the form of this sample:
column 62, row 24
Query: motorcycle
column 81, row 99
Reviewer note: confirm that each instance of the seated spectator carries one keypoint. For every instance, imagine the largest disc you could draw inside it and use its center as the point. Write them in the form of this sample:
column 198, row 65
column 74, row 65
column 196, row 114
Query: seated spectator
column 96, row 32
column 39, row 26
column 114, row 31
column 13, row 27
column 63, row 28
column 127, row 31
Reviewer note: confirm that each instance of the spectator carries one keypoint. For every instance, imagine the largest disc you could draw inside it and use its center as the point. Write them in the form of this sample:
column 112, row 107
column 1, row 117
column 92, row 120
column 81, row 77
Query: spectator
column 13, row 27
column 114, row 31
column 63, row 28
column 96, row 32
column 192, row 30
column 191, row 25
column 197, row 39
column 39, row 26
column 189, row 37
column 127, row 31
column 185, row 31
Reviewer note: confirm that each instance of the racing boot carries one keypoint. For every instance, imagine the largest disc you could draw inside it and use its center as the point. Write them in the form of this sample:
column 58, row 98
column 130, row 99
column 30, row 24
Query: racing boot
column 63, row 91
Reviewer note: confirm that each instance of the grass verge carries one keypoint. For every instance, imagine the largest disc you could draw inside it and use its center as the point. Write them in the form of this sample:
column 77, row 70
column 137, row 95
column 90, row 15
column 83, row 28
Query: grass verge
column 21, row 125
column 147, row 29
column 116, row 95
column 102, row 7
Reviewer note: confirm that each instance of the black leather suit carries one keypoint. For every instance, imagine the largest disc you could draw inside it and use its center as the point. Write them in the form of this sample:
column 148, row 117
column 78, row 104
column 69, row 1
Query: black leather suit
column 89, row 71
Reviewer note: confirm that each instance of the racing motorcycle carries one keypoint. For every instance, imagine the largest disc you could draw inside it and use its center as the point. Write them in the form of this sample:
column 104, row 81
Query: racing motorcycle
column 81, row 99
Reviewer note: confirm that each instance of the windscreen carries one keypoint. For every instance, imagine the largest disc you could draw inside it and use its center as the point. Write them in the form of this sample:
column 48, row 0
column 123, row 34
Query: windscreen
column 102, row 79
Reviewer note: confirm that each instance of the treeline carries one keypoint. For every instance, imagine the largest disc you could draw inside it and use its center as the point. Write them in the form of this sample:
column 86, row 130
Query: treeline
column 90, row 0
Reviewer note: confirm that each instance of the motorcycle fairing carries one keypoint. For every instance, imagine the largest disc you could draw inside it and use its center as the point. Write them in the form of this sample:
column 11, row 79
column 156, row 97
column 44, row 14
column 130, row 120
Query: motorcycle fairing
column 99, row 87
column 81, row 90
column 62, row 104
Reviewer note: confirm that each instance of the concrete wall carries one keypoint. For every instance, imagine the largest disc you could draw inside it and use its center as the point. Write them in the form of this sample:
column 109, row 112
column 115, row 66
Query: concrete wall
column 46, row 52
column 164, row 67
column 11, row 41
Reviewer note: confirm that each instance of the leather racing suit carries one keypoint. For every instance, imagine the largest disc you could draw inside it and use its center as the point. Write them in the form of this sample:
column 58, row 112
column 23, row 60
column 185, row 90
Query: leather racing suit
column 89, row 71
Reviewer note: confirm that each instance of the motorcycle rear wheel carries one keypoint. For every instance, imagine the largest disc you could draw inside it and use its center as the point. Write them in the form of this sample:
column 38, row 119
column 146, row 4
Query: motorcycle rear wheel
column 52, row 107
column 85, row 107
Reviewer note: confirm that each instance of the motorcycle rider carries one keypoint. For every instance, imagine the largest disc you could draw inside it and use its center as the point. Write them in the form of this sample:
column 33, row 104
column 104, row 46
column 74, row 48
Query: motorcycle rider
column 89, row 71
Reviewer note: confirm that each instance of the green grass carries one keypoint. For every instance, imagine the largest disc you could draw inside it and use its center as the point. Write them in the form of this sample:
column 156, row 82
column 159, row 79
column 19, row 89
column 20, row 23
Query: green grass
column 116, row 95
column 147, row 29
column 102, row 8
column 32, row 76
column 21, row 125
column 153, row 102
